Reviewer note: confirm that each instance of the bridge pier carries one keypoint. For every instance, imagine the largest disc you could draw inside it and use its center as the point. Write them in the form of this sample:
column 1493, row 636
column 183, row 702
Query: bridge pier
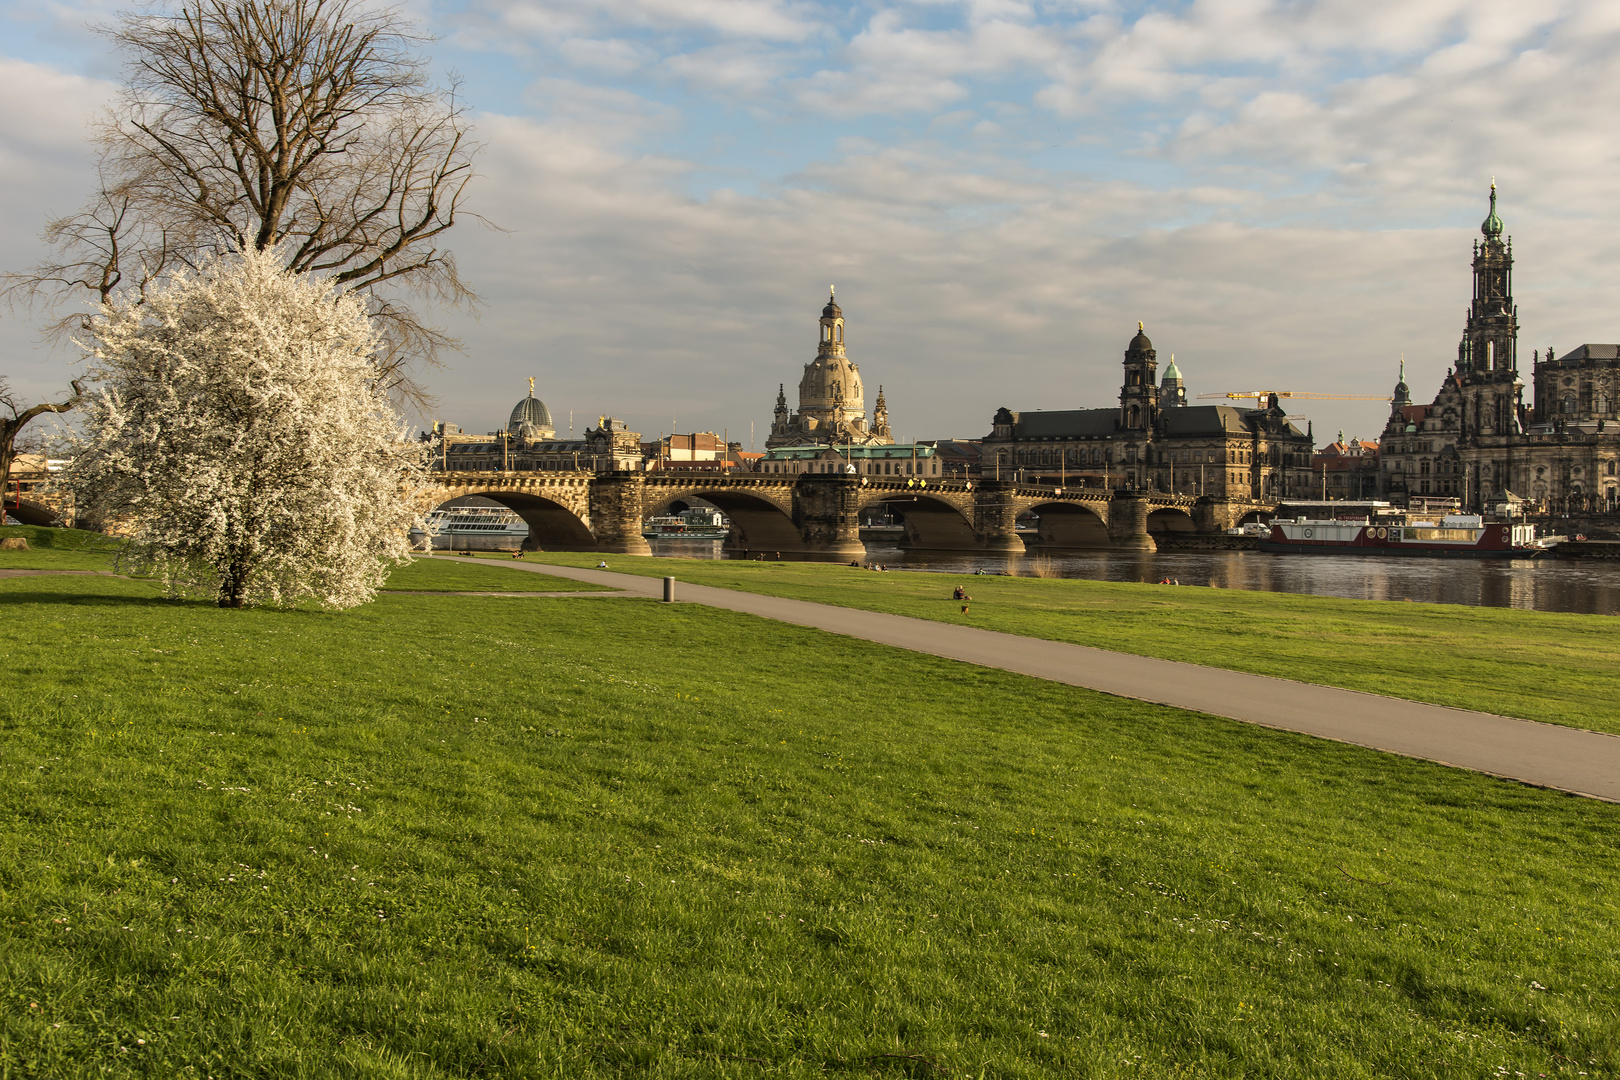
column 826, row 511
column 1215, row 515
column 1127, row 522
column 616, row 499
column 995, row 517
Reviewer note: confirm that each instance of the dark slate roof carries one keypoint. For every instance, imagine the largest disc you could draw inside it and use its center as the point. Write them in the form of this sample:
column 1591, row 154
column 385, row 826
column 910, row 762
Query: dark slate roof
column 1591, row 352
column 1204, row 420
column 1067, row 423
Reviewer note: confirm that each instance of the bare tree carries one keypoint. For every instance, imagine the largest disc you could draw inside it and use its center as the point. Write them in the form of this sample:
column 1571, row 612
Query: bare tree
column 20, row 416
column 307, row 127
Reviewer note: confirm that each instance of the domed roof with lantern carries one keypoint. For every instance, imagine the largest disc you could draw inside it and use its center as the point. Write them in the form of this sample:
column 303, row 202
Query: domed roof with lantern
column 530, row 418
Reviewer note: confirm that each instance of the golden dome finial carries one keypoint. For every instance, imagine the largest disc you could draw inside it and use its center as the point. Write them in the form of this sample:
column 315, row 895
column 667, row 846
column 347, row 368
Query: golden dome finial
column 1139, row 329
column 531, row 386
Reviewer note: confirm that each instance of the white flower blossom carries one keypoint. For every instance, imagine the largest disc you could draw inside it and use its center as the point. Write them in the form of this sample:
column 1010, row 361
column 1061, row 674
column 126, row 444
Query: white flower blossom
column 236, row 433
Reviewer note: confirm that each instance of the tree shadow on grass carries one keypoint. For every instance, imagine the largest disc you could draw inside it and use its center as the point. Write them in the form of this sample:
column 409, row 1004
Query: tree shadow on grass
column 19, row 598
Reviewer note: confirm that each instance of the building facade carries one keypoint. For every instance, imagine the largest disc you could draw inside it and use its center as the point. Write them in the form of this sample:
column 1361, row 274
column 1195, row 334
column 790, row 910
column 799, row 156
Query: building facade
column 1478, row 442
column 832, row 401
column 1345, row 470
column 892, row 461
column 1154, row 440
column 528, row 443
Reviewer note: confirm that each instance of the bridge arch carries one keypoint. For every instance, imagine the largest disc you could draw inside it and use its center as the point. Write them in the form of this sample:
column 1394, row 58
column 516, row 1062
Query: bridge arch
column 759, row 520
column 1170, row 519
column 32, row 513
column 553, row 526
column 1071, row 525
column 932, row 522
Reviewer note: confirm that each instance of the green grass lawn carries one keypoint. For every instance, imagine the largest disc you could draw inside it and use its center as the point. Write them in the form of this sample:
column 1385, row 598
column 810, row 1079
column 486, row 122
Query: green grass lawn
column 1562, row 669
column 74, row 549
column 58, row 549
column 457, row 836
column 436, row 575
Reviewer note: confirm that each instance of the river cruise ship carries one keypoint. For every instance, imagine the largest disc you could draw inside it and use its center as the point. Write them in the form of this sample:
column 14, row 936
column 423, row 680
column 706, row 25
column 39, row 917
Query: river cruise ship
column 472, row 528
column 1452, row 534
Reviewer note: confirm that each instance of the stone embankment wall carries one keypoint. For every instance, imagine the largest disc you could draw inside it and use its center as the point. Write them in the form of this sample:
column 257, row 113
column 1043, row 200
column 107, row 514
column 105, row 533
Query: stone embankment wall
column 1588, row 549
column 1206, row 542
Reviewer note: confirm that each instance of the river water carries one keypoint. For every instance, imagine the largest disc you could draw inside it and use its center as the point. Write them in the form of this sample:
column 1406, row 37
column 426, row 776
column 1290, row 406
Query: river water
column 1588, row 587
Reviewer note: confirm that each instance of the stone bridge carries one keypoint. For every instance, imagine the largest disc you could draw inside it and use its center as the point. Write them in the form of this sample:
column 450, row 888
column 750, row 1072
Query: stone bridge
column 817, row 515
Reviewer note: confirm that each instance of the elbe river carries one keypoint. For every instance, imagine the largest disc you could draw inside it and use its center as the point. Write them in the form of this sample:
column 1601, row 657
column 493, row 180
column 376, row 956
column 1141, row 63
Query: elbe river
column 1587, row 587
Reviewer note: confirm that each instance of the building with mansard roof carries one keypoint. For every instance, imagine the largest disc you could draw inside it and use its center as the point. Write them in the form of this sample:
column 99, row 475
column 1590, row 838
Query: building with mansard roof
column 1477, row 442
column 1154, row 440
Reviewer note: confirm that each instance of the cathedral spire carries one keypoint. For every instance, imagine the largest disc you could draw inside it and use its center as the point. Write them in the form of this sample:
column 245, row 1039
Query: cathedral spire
column 1492, row 225
column 1489, row 344
column 1403, row 394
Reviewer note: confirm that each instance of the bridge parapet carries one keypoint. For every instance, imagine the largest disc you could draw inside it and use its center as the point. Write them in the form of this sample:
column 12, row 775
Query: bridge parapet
column 818, row 514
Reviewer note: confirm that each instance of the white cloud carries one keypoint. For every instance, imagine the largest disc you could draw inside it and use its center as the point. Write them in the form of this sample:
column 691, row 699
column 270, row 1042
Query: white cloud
column 762, row 20
column 1284, row 192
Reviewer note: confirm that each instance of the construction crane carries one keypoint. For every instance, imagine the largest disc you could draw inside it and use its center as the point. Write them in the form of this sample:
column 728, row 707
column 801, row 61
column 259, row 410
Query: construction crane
column 1260, row 395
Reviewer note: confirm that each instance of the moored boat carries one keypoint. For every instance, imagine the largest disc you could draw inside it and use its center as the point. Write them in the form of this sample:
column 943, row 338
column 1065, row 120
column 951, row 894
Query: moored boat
column 1467, row 535
column 472, row 528
column 694, row 524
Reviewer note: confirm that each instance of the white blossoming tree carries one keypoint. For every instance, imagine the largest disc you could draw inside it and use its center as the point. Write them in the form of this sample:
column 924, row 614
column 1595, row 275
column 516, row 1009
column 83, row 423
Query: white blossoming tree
column 236, row 429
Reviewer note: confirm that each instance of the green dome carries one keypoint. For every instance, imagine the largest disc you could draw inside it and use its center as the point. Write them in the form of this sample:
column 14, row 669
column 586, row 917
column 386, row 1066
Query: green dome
column 1172, row 373
column 1492, row 225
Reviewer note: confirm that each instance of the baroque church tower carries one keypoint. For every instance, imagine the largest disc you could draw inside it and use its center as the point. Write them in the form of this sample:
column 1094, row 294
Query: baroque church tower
column 1487, row 356
column 1139, row 394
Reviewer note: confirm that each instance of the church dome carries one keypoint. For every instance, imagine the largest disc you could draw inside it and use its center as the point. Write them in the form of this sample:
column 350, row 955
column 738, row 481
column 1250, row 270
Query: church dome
column 532, row 411
column 1140, row 342
column 830, row 381
column 1492, row 225
column 831, row 311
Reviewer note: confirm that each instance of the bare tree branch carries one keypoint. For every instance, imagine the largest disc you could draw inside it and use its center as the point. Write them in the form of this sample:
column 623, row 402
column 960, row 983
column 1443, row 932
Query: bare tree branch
column 11, row 427
column 305, row 126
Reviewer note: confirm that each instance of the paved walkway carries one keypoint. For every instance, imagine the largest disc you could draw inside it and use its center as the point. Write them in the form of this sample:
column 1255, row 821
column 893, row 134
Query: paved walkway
column 1569, row 759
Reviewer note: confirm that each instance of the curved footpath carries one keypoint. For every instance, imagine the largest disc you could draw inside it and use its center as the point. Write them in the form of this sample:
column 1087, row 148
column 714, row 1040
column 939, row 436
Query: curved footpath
column 1547, row 755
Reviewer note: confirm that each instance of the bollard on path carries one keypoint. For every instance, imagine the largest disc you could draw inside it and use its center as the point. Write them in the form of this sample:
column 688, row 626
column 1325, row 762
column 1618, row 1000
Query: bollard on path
column 669, row 590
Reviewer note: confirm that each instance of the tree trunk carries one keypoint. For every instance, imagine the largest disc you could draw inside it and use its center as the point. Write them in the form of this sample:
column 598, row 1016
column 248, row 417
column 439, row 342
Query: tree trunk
column 10, row 429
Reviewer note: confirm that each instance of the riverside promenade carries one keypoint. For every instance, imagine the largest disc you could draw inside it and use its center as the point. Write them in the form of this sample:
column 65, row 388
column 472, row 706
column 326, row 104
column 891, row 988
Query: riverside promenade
column 1547, row 755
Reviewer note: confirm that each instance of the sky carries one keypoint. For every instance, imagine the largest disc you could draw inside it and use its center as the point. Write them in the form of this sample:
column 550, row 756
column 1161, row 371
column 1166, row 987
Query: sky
column 1283, row 191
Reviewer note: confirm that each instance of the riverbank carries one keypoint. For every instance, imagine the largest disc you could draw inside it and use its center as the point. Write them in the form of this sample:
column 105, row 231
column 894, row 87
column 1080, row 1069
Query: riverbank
column 1555, row 668
column 586, row 838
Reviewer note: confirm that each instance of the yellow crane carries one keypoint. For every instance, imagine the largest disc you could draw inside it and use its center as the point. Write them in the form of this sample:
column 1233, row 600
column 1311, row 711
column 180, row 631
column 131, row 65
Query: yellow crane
column 1260, row 395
